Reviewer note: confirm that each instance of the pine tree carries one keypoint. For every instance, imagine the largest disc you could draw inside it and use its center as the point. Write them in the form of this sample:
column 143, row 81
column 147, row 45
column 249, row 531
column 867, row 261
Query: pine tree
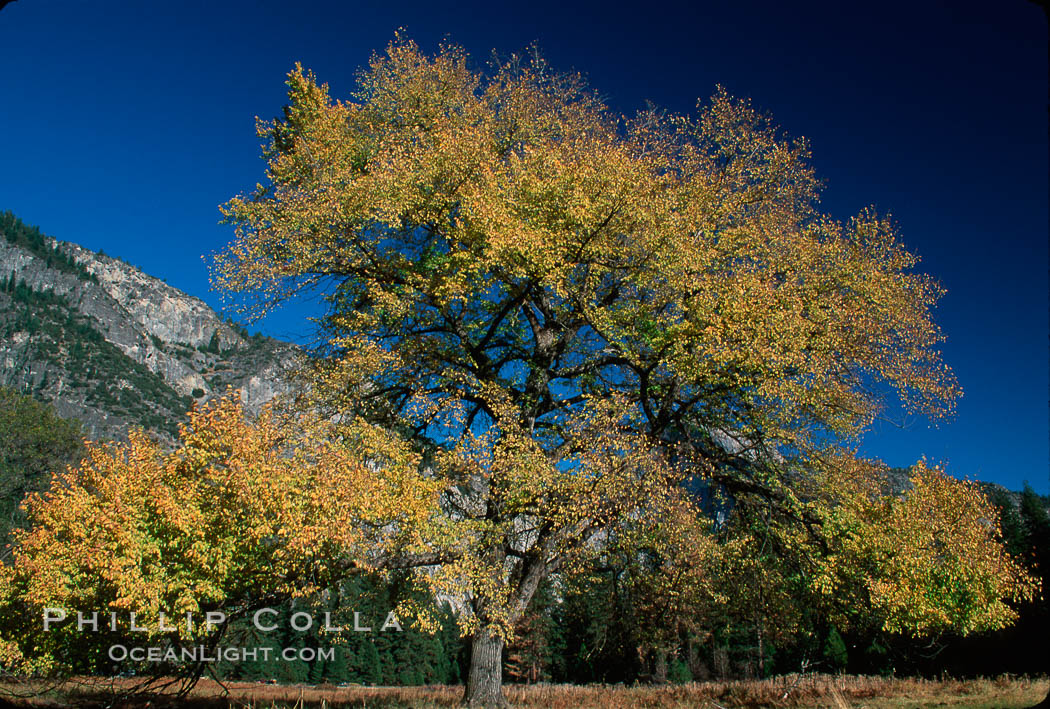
column 835, row 653
column 337, row 670
column 367, row 665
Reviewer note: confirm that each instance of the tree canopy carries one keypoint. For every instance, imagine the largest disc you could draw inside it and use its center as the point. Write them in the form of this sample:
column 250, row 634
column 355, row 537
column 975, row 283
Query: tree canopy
column 34, row 443
column 569, row 313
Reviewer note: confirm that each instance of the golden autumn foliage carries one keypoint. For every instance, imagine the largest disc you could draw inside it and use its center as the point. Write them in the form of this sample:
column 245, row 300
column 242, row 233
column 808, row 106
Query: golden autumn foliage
column 242, row 513
column 925, row 562
column 569, row 312
column 672, row 573
column 463, row 209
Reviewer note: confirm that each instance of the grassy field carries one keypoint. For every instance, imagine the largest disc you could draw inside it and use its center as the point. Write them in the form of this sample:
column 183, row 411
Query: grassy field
column 788, row 691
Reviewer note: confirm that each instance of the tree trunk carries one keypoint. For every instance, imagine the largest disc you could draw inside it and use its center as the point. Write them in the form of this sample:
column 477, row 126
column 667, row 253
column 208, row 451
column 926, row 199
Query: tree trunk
column 660, row 666
column 761, row 652
column 485, row 683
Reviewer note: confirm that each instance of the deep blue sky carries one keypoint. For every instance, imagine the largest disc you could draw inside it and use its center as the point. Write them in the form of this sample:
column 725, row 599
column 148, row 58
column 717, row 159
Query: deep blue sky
column 125, row 124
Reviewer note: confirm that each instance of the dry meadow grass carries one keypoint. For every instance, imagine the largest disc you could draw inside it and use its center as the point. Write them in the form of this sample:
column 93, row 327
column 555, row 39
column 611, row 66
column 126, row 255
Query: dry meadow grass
column 837, row 692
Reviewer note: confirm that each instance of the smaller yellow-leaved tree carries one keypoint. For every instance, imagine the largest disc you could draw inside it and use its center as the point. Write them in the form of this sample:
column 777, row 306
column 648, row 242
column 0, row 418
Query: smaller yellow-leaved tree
column 924, row 562
column 242, row 515
column 851, row 550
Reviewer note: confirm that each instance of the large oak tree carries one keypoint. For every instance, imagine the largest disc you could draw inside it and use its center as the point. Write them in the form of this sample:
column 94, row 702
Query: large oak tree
column 568, row 313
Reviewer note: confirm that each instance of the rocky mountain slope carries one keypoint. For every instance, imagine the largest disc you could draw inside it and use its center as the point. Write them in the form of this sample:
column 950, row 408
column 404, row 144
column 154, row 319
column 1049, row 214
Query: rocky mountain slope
column 113, row 347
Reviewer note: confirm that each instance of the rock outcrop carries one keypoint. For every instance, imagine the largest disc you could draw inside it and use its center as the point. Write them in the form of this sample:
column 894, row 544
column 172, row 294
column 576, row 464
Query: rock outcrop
column 115, row 347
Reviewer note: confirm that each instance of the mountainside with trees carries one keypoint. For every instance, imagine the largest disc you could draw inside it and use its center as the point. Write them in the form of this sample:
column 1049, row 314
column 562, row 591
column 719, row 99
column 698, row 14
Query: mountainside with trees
column 112, row 347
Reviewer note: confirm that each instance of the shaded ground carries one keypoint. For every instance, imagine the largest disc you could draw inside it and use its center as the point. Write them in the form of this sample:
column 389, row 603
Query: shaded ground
column 787, row 691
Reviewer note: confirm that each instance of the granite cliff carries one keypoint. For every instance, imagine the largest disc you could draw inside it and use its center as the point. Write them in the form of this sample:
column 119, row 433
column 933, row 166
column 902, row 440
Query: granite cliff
column 114, row 347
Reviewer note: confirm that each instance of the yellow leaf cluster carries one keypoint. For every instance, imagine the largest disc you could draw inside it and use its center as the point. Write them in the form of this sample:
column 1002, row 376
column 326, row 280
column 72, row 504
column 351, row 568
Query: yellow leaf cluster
column 927, row 561
column 240, row 512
